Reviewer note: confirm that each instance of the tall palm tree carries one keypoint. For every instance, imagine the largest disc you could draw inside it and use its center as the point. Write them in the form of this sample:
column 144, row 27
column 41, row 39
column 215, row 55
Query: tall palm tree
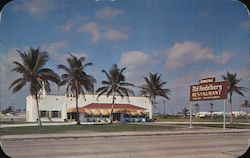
column 233, row 82
column 153, row 88
column 33, row 72
column 77, row 79
column 115, row 85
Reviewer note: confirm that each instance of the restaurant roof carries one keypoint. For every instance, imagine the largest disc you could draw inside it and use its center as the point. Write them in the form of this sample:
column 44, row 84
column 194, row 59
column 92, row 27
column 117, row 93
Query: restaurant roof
column 109, row 106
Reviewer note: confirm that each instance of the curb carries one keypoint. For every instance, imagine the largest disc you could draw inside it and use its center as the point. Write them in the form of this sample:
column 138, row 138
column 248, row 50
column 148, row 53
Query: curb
column 109, row 135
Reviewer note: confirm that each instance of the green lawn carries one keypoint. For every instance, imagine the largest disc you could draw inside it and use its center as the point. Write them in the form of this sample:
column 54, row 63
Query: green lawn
column 116, row 127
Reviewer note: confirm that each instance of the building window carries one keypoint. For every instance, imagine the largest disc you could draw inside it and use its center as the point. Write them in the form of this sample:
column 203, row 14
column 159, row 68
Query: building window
column 44, row 113
column 87, row 115
column 56, row 114
column 126, row 115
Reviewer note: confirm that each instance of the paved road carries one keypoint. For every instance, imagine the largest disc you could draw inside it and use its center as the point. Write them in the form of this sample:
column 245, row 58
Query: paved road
column 182, row 146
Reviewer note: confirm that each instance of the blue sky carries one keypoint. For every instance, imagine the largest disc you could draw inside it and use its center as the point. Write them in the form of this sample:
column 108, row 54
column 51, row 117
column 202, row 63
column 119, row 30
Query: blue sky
column 182, row 40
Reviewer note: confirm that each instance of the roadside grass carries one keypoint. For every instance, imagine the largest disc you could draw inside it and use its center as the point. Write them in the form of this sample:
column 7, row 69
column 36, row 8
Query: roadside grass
column 169, row 118
column 116, row 127
column 12, row 122
column 231, row 126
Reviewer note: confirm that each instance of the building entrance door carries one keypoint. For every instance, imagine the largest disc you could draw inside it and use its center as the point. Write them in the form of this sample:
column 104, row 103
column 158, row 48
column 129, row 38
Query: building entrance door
column 116, row 116
column 72, row 116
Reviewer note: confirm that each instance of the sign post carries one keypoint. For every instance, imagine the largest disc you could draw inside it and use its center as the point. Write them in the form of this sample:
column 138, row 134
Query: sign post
column 224, row 115
column 190, row 115
column 208, row 89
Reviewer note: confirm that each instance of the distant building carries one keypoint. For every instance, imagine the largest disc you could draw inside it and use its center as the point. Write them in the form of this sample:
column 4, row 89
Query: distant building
column 238, row 113
column 61, row 108
column 220, row 113
column 202, row 114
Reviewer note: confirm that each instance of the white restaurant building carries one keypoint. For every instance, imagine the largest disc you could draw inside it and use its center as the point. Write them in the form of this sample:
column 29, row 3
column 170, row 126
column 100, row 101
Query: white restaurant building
column 61, row 108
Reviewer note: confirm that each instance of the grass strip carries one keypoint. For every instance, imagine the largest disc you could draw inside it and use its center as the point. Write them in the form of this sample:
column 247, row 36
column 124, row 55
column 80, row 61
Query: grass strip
column 84, row 128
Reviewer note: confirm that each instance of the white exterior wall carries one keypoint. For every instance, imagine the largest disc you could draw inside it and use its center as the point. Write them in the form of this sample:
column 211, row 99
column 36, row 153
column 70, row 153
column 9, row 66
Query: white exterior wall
column 63, row 103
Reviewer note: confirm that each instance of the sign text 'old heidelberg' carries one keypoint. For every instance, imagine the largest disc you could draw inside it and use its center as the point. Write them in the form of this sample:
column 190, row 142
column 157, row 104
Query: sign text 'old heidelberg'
column 208, row 91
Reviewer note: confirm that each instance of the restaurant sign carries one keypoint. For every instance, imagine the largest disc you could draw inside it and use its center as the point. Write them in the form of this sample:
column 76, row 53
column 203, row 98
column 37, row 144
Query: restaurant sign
column 208, row 89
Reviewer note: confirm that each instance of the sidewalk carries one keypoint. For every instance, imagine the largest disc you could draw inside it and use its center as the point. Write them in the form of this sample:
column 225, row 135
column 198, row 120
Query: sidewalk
column 218, row 123
column 120, row 134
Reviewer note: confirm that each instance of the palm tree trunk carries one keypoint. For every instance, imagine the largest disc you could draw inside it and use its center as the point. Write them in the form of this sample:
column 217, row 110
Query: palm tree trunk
column 211, row 112
column 112, row 108
column 231, row 117
column 153, row 104
column 77, row 110
column 38, row 115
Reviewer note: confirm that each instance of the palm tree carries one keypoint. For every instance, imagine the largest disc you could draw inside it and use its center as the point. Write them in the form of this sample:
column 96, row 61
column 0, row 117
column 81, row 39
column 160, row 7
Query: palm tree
column 77, row 79
column 246, row 105
column 33, row 72
column 184, row 112
column 153, row 88
column 211, row 109
column 197, row 107
column 233, row 82
column 115, row 85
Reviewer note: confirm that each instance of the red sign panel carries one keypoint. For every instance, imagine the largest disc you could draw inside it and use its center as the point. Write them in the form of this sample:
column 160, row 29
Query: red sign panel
column 208, row 91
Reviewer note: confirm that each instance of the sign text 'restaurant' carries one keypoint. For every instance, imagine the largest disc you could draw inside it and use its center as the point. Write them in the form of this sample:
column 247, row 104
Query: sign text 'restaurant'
column 208, row 91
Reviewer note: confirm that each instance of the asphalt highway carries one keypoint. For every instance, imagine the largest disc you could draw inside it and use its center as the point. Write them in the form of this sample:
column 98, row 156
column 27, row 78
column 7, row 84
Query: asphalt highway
column 223, row 145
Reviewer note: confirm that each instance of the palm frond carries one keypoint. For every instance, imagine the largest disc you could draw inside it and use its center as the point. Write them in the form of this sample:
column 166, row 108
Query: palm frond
column 154, row 87
column 127, row 84
column 107, row 75
column 19, row 86
column 87, row 64
column 19, row 68
column 121, row 93
column 41, row 59
column 17, row 83
column 60, row 66
column 49, row 74
column 101, row 91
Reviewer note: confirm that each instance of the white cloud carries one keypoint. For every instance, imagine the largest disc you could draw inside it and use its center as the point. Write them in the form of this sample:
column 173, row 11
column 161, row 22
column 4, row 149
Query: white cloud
column 182, row 83
column 109, row 13
column 98, row 33
column 134, row 59
column 223, row 58
column 115, row 35
column 57, row 52
column 72, row 22
column 53, row 47
column 93, row 29
column 189, row 52
column 138, row 65
column 37, row 8
column 67, row 26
